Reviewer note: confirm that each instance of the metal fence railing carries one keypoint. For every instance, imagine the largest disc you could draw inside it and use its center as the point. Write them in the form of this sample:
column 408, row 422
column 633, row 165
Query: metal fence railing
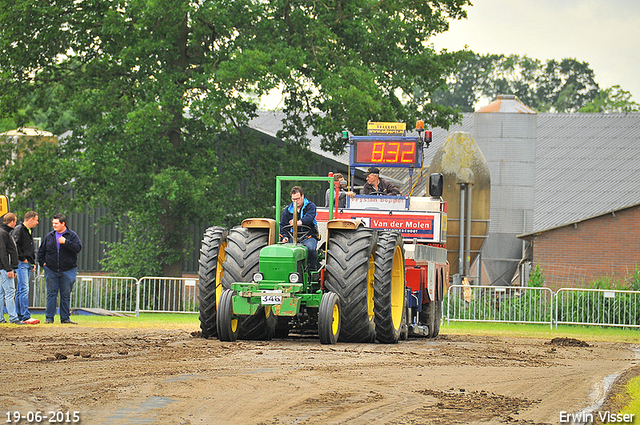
column 126, row 294
column 499, row 304
column 601, row 307
column 462, row 302
column 167, row 294
column 111, row 293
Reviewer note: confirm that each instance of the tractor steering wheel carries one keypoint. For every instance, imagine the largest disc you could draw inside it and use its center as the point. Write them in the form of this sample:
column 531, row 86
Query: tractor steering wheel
column 303, row 231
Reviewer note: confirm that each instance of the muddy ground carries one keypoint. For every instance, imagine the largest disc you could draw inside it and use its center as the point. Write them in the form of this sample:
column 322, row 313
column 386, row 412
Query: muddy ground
column 151, row 376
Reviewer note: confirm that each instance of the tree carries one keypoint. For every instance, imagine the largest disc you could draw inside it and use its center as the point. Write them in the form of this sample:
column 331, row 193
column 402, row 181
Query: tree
column 128, row 71
column 555, row 86
column 613, row 99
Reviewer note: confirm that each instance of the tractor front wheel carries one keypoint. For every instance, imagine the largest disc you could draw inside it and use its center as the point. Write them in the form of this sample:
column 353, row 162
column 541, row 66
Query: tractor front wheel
column 228, row 324
column 329, row 318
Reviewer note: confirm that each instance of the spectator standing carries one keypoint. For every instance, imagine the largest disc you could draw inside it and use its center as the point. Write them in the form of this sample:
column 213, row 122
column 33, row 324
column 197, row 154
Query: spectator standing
column 9, row 259
column 58, row 255
column 27, row 259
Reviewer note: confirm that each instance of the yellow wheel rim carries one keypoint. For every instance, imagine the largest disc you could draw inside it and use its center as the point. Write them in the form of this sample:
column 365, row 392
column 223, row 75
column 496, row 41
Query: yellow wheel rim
column 335, row 319
column 221, row 251
column 397, row 288
column 234, row 325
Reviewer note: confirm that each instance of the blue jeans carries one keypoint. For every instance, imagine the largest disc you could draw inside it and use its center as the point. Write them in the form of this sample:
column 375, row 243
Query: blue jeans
column 312, row 250
column 22, row 290
column 59, row 282
column 7, row 296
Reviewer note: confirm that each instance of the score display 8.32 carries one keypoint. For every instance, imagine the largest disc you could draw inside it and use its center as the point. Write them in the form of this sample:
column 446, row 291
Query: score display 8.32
column 386, row 152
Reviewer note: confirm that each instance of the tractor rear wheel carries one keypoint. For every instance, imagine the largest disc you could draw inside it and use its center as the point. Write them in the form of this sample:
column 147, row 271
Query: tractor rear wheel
column 388, row 288
column 241, row 262
column 329, row 318
column 349, row 273
column 227, row 324
column 212, row 251
column 431, row 315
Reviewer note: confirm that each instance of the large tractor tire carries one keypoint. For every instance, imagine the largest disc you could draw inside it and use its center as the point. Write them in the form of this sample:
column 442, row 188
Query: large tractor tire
column 431, row 315
column 329, row 318
column 389, row 287
column 227, row 323
column 349, row 273
column 241, row 262
column 212, row 252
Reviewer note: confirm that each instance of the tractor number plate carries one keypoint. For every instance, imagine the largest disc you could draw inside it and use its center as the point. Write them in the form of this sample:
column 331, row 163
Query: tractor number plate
column 271, row 299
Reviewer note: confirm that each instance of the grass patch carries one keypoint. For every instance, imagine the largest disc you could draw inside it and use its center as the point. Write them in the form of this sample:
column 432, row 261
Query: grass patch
column 584, row 333
column 187, row 321
column 190, row 321
column 632, row 400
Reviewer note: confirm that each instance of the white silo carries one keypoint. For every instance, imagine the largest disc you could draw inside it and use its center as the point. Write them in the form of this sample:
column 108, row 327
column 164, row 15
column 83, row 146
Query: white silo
column 506, row 132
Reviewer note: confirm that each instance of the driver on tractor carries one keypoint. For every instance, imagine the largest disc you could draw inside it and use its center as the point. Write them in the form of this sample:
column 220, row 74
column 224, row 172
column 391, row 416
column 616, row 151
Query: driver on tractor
column 376, row 186
column 308, row 232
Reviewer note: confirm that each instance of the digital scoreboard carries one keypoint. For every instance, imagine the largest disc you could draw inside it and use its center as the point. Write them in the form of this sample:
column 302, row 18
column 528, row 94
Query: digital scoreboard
column 386, row 151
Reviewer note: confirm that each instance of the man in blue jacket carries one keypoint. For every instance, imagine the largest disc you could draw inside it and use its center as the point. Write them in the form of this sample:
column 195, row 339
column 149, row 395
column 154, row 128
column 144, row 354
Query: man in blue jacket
column 306, row 217
column 58, row 255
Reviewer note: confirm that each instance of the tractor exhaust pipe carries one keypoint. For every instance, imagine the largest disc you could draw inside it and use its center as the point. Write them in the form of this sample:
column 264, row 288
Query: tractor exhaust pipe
column 294, row 230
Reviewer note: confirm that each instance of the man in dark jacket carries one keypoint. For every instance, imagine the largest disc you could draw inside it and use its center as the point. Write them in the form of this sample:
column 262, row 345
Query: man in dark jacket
column 58, row 255
column 306, row 217
column 9, row 262
column 27, row 257
column 376, row 186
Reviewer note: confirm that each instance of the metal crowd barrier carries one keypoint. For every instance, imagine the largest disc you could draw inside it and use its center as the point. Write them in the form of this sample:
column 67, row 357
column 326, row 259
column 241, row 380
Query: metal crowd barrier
column 499, row 304
column 601, row 307
column 568, row 306
column 126, row 294
column 111, row 293
column 167, row 294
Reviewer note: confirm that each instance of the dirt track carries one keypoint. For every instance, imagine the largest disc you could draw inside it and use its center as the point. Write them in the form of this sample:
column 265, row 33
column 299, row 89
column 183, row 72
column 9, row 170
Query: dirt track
column 122, row 376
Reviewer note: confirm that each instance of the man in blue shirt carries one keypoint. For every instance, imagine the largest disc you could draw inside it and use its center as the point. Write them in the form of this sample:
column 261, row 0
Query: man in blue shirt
column 306, row 217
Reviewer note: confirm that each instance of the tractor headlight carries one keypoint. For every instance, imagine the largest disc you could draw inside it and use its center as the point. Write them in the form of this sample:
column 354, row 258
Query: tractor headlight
column 294, row 278
column 258, row 277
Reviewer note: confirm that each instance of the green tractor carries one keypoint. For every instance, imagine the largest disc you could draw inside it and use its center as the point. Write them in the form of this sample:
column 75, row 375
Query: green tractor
column 251, row 287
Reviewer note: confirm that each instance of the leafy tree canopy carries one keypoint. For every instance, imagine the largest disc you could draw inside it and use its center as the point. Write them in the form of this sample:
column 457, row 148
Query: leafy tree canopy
column 553, row 86
column 144, row 85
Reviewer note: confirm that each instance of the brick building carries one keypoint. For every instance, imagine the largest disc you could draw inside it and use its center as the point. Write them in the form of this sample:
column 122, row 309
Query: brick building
column 605, row 246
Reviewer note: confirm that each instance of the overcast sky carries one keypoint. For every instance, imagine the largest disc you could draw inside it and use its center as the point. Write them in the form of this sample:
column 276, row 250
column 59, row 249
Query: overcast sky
column 603, row 33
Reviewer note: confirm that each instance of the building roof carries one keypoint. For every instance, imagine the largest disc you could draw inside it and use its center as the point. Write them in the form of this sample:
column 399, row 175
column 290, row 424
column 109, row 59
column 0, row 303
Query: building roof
column 587, row 164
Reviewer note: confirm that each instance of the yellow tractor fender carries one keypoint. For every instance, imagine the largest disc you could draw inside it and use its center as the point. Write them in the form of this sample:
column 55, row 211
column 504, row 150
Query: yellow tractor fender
column 343, row 224
column 263, row 223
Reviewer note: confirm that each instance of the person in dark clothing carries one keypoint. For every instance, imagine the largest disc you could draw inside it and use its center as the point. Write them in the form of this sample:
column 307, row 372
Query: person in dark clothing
column 376, row 185
column 27, row 257
column 306, row 217
column 342, row 194
column 58, row 255
column 9, row 263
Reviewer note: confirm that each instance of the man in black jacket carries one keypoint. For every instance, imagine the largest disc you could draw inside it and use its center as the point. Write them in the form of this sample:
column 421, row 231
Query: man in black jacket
column 27, row 257
column 58, row 255
column 8, row 262
column 376, row 186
